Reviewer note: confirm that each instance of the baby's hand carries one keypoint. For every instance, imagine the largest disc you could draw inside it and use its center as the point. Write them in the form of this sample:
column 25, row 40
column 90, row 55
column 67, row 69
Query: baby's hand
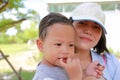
column 72, row 67
column 99, row 70
column 95, row 69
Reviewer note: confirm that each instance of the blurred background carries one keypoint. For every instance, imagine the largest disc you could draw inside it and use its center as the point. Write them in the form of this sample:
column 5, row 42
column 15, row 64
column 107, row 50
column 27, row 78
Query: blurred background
column 19, row 20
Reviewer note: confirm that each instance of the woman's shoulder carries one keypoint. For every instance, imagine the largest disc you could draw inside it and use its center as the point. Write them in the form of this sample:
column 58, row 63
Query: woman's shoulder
column 106, row 57
column 113, row 65
column 111, row 56
column 113, row 59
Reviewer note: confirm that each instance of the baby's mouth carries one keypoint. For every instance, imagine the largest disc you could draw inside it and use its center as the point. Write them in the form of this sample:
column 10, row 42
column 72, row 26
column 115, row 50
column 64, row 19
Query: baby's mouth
column 64, row 59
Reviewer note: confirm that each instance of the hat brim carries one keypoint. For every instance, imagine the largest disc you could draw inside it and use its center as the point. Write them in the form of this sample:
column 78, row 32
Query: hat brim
column 78, row 18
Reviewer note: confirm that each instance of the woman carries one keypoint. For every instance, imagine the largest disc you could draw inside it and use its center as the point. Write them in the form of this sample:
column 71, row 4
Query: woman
column 88, row 20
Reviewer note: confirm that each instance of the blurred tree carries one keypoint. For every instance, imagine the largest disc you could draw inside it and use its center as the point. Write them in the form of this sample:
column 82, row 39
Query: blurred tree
column 12, row 7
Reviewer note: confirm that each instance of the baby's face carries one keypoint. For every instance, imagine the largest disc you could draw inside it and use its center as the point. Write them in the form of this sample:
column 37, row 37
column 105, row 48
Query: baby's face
column 58, row 44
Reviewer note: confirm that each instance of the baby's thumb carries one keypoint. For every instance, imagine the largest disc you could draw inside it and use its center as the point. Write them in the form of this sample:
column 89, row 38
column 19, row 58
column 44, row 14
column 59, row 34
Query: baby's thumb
column 62, row 64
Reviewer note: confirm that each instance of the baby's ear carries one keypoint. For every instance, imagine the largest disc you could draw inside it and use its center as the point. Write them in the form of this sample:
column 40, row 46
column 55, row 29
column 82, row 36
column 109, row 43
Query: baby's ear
column 39, row 43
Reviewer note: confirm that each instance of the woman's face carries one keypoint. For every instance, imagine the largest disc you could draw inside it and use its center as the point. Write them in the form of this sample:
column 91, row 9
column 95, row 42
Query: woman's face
column 88, row 34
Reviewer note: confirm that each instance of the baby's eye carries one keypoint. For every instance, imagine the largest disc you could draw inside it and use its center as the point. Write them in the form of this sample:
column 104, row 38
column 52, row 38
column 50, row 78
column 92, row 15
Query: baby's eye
column 71, row 45
column 58, row 44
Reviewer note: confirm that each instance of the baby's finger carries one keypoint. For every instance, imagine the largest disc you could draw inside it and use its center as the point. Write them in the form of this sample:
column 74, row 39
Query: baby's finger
column 62, row 64
column 96, row 63
column 99, row 73
column 69, row 60
column 101, row 67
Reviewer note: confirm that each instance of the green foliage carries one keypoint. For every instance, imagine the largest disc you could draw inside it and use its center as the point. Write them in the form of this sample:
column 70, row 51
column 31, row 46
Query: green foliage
column 9, row 6
column 3, row 24
column 15, row 4
column 27, row 75
column 31, row 33
column 3, row 37
column 117, row 53
column 5, row 21
column 12, row 49
column 111, row 50
column 21, row 36
column 28, row 34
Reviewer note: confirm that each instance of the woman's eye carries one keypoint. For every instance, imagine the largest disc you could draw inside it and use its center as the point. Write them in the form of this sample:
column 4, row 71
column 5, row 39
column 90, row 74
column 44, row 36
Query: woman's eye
column 97, row 28
column 81, row 23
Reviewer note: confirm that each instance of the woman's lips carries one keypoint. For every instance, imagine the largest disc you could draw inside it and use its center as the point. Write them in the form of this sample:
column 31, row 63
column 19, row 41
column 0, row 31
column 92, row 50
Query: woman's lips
column 85, row 39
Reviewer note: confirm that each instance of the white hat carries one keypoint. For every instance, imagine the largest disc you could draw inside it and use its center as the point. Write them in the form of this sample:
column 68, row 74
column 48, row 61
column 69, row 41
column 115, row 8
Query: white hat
column 89, row 11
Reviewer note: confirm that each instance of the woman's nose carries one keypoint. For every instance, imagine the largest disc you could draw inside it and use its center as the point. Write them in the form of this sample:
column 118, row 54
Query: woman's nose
column 88, row 30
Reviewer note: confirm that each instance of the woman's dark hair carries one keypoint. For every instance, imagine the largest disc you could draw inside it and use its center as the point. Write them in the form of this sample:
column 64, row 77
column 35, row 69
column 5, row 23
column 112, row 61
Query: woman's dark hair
column 49, row 20
column 101, row 46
